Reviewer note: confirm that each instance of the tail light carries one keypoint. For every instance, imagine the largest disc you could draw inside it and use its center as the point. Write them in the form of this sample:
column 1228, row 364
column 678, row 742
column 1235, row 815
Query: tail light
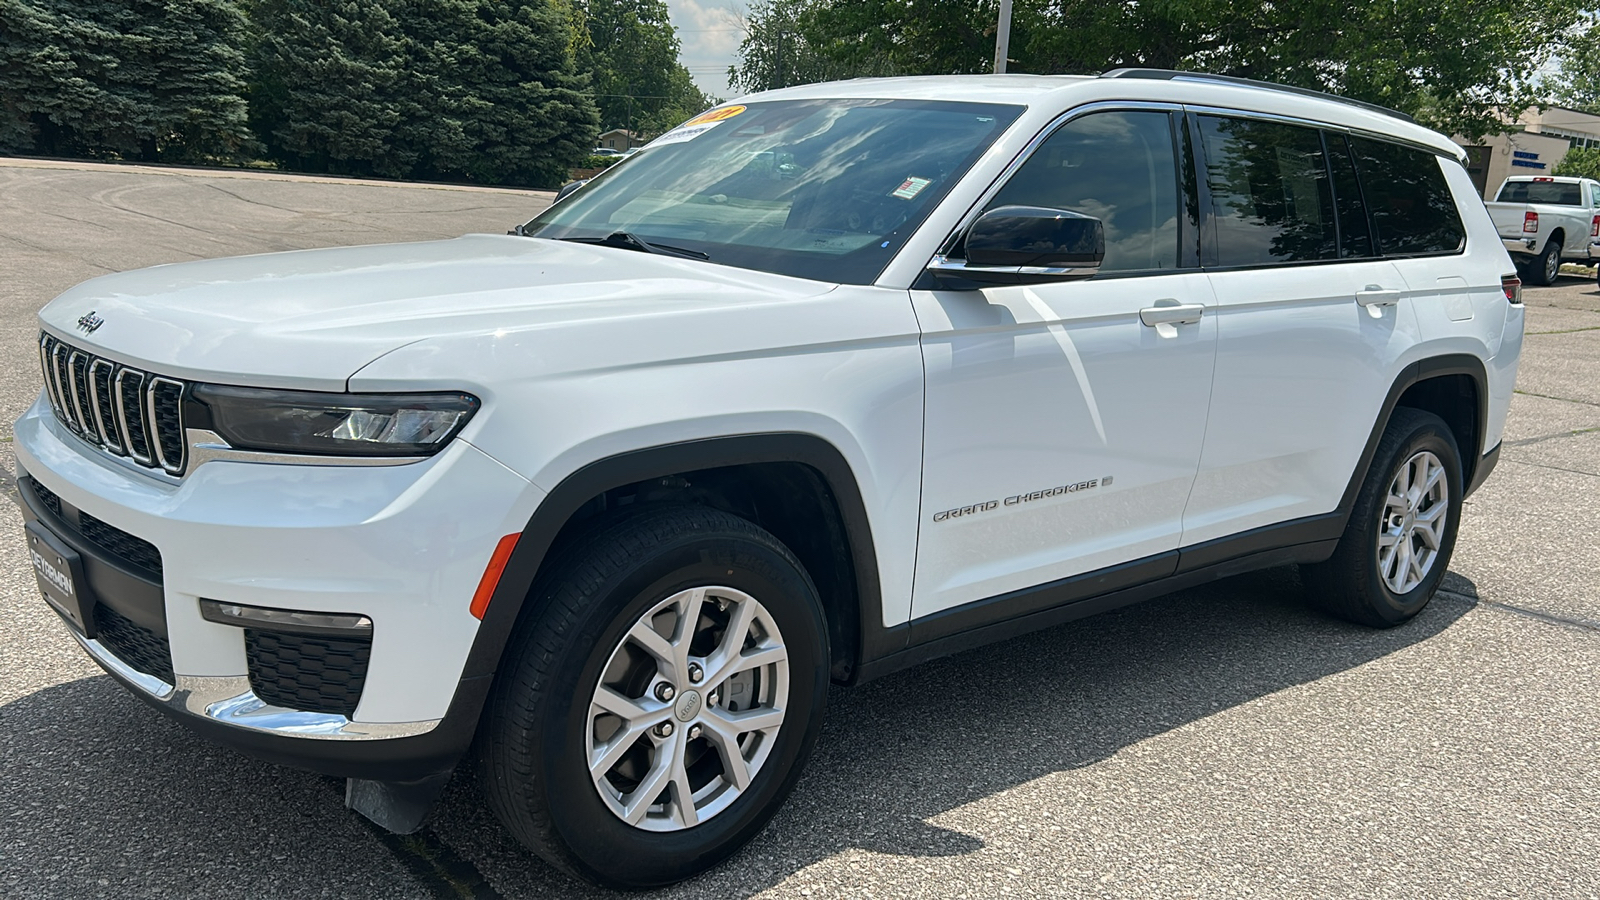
column 1530, row 222
column 1594, row 228
column 1512, row 285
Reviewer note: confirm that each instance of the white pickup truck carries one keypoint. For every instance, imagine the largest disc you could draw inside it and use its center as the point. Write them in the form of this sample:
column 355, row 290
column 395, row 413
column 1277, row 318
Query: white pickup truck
column 1545, row 219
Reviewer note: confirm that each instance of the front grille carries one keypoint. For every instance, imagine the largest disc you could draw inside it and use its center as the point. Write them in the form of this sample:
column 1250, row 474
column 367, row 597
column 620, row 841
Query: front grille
column 48, row 498
column 142, row 649
column 123, row 411
column 136, row 552
column 314, row 673
column 119, row 543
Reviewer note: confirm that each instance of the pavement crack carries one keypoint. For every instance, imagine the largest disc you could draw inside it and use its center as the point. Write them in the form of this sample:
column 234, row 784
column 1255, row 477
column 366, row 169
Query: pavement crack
column 1562, row 399
column 1564, row 330
column 1547, row 618
column 1555, row 468
column 1523, row 442
column 440, row 870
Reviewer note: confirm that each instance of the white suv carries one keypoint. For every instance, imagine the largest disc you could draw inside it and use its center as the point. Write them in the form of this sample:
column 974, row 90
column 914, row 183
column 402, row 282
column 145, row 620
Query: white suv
column 822, row 384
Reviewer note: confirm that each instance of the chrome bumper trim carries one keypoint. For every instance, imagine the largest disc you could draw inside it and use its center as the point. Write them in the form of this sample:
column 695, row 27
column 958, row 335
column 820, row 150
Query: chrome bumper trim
column 229, row 700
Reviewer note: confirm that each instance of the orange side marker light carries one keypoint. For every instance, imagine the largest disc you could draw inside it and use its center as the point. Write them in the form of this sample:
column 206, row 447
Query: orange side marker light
column 491, row 575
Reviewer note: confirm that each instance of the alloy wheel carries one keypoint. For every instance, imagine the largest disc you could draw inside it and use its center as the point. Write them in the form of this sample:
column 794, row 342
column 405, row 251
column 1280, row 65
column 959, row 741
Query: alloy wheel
column 688, row 708
column 1411, row 530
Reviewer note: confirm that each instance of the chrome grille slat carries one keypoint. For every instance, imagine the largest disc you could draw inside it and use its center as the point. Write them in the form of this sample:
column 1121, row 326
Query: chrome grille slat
column 130, row 388
column 78, row 377
column 52, row 389
column 166, row 422
column 58, row 367
column 105, row 420
column 121, row 410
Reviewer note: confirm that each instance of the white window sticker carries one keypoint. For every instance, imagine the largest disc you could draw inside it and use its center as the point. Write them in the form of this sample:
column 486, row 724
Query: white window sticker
column 910, row 187
column 697, row 126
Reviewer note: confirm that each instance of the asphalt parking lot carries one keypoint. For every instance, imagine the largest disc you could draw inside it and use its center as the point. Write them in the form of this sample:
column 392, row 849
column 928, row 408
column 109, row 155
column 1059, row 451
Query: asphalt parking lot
column 1221, row 742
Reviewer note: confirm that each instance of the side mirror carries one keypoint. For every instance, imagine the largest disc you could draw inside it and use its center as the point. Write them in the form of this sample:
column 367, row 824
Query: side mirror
column 1028, row 245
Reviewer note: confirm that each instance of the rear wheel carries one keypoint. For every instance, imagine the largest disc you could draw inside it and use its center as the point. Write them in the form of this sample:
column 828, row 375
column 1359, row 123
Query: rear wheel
column 1397, row 545
column 1547, row 265
column 661, row 701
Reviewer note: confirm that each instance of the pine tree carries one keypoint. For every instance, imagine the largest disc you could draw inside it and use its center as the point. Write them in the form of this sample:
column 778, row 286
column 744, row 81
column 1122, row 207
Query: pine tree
column 145, row 79
column 446, row 89
column 329, row 89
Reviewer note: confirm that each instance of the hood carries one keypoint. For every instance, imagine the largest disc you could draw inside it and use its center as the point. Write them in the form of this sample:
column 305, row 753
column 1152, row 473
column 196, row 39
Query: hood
column 309, row 319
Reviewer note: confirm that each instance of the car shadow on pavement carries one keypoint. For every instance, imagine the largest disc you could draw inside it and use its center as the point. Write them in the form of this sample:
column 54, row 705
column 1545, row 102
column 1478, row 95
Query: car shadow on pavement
column 104, row 796
column 898, row 752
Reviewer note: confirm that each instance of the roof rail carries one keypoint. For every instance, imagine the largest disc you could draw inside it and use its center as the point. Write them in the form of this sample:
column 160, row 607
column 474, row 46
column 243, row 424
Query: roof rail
column 1174, row 75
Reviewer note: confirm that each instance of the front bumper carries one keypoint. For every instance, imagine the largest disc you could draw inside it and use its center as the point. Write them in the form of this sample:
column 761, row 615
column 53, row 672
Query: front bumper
column 402, row 545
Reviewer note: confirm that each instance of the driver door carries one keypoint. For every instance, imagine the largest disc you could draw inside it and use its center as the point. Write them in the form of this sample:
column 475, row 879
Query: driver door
column 1064, row 420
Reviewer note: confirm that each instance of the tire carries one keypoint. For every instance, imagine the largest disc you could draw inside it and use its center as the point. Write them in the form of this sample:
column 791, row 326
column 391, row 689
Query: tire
column 1547, row 265
column 1370, row 580
column 590, row 626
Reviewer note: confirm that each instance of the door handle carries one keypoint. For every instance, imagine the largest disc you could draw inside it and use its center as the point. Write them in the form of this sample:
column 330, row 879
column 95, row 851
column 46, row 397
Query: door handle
column 1175, row 314
column 1375, row 295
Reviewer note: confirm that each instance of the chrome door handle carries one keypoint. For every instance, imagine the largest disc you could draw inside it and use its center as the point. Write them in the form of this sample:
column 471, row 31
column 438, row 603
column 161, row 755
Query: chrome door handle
column 1377, row 296
column 1177, row 314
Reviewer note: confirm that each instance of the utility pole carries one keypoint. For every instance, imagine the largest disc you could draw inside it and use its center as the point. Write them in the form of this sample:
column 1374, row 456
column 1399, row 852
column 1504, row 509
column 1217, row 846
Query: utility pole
column 1002, row 38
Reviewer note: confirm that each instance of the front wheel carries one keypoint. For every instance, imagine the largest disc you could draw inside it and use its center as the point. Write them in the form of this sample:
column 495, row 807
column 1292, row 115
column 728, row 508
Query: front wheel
column 662, row 699
column 1402, row 529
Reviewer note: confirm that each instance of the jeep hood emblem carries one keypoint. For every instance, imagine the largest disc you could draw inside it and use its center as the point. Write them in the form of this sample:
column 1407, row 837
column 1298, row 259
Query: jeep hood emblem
column 88, row 322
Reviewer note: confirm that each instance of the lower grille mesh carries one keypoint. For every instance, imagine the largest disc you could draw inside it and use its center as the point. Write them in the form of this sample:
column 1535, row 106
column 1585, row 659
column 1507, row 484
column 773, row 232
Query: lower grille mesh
column 142, row 649
column 312, row 673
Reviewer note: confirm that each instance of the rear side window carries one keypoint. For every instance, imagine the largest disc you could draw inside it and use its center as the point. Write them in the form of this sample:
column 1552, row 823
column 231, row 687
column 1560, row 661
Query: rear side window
column 1269, row 190
column 1412, row 210
column 1552, row 192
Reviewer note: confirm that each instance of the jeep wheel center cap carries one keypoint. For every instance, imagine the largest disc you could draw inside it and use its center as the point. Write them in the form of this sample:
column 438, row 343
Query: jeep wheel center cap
column 687, row 707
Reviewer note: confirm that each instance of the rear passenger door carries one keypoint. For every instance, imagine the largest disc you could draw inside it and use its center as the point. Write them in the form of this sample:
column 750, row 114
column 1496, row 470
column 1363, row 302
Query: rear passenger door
column 1310, row 324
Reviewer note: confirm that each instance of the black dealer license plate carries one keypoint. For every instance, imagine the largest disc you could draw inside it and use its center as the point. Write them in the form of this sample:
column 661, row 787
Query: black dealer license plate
column 60, row 573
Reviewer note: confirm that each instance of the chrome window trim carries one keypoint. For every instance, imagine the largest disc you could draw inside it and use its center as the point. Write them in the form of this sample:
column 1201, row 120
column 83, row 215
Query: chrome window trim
column 152, row 437
column 122, row 415
column 1313, row 123
column 1027, row 152
column 94, row 401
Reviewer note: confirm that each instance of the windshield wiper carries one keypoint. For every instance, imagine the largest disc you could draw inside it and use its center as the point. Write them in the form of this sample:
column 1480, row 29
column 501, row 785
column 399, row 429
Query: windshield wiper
column 625, row 241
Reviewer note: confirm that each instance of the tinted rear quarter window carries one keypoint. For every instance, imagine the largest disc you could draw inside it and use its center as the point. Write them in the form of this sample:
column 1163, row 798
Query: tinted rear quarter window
column 1270, row 192
column 1412, row 210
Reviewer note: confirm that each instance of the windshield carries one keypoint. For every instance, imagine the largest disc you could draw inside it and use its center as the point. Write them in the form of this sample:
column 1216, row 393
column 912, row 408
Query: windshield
column 1556, row 193
column 821, row 189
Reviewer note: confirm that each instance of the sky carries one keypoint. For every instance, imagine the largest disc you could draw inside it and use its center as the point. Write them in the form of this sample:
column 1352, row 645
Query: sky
column 709, row 33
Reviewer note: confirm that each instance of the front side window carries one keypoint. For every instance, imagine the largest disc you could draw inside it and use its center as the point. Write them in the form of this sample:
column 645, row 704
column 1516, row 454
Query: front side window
column 1269, row 191
column 1412, row 209
column 1119, row 167
column 821, row 189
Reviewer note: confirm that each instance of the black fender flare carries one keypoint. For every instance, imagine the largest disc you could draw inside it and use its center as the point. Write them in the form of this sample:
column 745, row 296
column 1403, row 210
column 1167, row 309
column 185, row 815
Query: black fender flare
column 558, row 507
column 1415, row 373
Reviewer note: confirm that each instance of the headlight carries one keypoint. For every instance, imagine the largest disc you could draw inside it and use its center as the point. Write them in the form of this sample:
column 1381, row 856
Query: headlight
column 335, row 424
